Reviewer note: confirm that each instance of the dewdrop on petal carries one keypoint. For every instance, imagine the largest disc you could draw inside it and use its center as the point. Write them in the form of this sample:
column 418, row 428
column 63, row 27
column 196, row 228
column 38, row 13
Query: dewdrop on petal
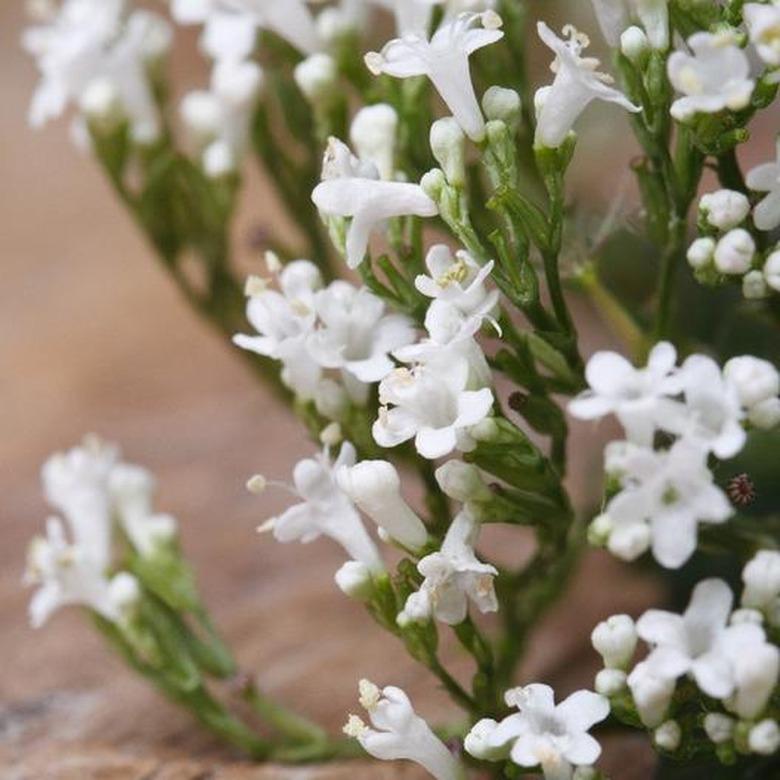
column 734, row 252
column 701, row 252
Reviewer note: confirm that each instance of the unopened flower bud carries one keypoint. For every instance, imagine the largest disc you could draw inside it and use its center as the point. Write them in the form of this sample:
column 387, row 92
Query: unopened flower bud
column 701, row 252
column 724, row 209
column 448, row 144
column 755, row 681
column 101, row 103
column 765, row 415
column 331, row 435
column 202, row 116
column 502, row 104
column 375, row 487
column 462, row 482
column 630, row 542
column 668, row 736
column 741, row 617
column 599, row 530
column 433, row 184
column 634, row 45
column 610, row 682
column 772, row 271
column 373, row 134
column 331, row 399
column 124, row 591
column 755, row 379
column 317, row 78
column 477, row 742
column 354, row 580
column 219, row 160
column 718, row 727
column 615, row 640
column 652, row 695
column 764, row 738
column 734, row 252
column 257, row 484
column 762, row 580
column 238, row 84
column 754, row 286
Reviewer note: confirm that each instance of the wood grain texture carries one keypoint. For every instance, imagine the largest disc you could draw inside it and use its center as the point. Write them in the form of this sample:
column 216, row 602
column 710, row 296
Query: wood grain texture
column 93, row 338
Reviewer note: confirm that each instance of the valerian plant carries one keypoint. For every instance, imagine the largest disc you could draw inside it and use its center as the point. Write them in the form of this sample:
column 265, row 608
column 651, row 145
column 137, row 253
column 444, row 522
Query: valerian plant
column 429, row 166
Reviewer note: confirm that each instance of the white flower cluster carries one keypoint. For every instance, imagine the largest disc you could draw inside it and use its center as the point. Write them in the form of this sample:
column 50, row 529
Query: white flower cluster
column 96, row 494
column 725, row 653
column 666, row 492
column 98, row 55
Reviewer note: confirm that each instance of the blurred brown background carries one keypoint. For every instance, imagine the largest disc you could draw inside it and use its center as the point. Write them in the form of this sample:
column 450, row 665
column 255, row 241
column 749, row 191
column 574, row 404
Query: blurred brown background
column 93, row 338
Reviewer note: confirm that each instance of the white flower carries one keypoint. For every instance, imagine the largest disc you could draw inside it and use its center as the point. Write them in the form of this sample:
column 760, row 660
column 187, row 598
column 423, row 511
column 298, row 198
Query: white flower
column 615, row 641
column 766, row 178
column 230, row 26
column 375, row 487
column 553, row 737
column 445, row 61
column 432, row 405
column 755, row 380
column 613, row 17
column 356, row 334
column 639, row 398
column 713, row 413
column 373, row 135
column 453, row 577
column 763, row 23
column 400, row 733
column 69, row 574
column 577, row 84
column 762, row 580
column 714, row 78
column 352, row 189
column 652, row 694
column 700, row 642
column 219, row 118
column 724, row 209
column 734, row 252
column 284, row 321
column 667, row 493
column 764, row 737
column 325, row 509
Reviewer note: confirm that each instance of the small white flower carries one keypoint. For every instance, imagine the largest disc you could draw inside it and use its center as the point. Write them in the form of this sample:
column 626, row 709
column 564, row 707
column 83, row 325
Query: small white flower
column 719, row 727
column 284, row 320
column 668, row 494
column 763, row 24
column 756, row 380
column 552, row 737
column 762, row 580
column 432, row 405
column 734, row 252
column 68, row 574
column 714, row 78
column 639, row 398
column 325, row 509
column 652, row 694
column 724, row 209
column 453, row 577
column 700, row 642
column 615, row 641
column 400, row 733
column 373, row 134
column 764, row 737
column 375, row 487
column 444, row 59
column 577, row 84
column 701, row 252
column 352, row 189
column 230, row 26
column 356, row 335
column 766, row 178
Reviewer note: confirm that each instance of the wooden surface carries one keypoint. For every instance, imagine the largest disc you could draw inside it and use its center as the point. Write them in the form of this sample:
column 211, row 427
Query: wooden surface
column 93, row 338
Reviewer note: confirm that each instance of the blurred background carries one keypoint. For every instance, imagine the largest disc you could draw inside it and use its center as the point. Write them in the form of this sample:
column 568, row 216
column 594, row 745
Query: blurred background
column 93, row 338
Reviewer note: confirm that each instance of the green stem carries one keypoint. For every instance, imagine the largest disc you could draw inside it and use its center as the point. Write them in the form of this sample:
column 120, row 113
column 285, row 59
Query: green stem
column 292, row 726
column 670, row 262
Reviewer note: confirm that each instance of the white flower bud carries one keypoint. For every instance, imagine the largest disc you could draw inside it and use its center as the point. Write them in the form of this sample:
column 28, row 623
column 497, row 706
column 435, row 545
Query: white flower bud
column 238, row 84
column 257, row 484
column 701, row 252
column 477, row 742
column 373, row 134
column 331, row 399
column 462, row 482
column 101, row 102
column 772, row 271
column 615, row 640
column 652, row 695
column 724, row 209
column 157, row 39
column 765, row 415
column 502, row 104
column 416, row 610
column 448, row 144
column 433, row 183
column 668, row 736
column 354, row 580
column 764, row 737
column 485, row 430
column 610, row 682
column 219, row 160
column 756, row 679
column 762, row 580
column 754, row 286
column 630, row 542
column 718, row 727
column 599, row 530
column 734, row 252
column 742, row 617
column 634, row 44
column 202, row 116
column 375, row 487
column 584, row 773
column 331, row 435
column 317, row 77
column 756, row 380
column 124, row 591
